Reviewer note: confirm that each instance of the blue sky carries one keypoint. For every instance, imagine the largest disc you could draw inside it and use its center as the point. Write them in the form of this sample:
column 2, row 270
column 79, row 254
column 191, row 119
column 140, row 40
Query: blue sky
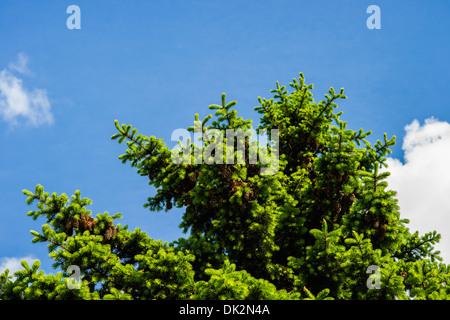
column 154, row 64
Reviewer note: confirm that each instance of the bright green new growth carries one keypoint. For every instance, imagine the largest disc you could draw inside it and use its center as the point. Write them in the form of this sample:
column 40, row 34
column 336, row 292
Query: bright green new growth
column 310, row 231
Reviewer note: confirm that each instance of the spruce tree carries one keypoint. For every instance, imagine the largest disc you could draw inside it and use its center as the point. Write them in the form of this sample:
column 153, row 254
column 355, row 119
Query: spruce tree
column 324, row 225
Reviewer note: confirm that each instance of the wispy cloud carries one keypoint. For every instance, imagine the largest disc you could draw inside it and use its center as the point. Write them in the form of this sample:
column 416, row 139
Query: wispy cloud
column 21, row 65
column 422, row 181
column 13, row 263
column 18, row 102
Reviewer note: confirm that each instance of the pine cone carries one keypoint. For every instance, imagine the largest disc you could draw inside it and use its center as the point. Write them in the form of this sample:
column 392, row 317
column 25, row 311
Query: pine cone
column 345, row 178
column 382, row 231
column 351, row 198
column 312, row 142
column 68, row 227
column 108, row 234
column 336, row 207
column 86, row 222
column 69, row 223
column 226, row 172
column 376, row 223
column 250, row 195
column 193, row 177
column 252, row 170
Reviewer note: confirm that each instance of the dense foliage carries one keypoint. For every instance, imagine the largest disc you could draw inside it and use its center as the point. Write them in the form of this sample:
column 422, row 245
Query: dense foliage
column 311, row 230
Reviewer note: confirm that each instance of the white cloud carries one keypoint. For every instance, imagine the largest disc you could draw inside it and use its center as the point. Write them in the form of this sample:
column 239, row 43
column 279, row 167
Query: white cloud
column 13, row 263
column 21, row 64
column 422, row 182
column 18, row 102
